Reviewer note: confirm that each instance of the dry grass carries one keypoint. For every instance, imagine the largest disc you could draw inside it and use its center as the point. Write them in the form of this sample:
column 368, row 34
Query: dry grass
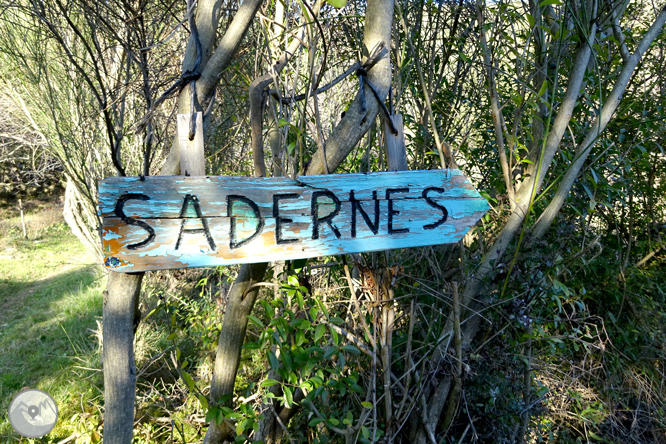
column 38, row 215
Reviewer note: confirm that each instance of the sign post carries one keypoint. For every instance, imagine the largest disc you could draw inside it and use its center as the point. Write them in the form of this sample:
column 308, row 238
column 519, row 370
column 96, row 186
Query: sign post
column 166, row 222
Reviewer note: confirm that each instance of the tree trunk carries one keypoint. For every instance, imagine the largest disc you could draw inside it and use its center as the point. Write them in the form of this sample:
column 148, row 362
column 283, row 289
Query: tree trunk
column 344, row 138
column 481, row 278
column 599, row 124
column 120, row 385
column 121, row 300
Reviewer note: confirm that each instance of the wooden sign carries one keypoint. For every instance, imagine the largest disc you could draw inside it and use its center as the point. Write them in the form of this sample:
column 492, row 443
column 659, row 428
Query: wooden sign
column 165, row 222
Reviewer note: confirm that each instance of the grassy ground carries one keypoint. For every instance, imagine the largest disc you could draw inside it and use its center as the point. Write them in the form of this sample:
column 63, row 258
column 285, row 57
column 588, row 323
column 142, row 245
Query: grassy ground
column 50, row 305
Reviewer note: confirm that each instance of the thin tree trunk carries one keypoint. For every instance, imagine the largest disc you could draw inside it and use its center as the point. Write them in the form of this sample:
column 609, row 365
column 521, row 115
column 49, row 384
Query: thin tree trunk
column 241, row 301
column 211, row 71
column 344, row 138
column 120, row 377
column 356, row 121
column 495, row 110
column 120, row 302
column 481, row 277
column 600, row 123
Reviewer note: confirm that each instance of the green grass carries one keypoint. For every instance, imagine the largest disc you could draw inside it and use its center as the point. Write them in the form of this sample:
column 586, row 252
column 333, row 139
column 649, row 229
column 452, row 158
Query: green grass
column 50, row 302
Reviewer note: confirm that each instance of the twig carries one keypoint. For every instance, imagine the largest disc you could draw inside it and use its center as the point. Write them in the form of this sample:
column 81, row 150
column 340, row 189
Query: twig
column 353, row 339
column 408, row 358
column 426, row 95
column 277, row 96
column 277, row 417
column 457, row 383
column 356, row 303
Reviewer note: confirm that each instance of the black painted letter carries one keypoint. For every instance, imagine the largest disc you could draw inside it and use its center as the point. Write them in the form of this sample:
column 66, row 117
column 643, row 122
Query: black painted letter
column 120, row 203
column 316, row 220
column 357, row 204
column 280, row 220
column 432, row 203
column 189, row 199
column 391, row 211
column 233, row 242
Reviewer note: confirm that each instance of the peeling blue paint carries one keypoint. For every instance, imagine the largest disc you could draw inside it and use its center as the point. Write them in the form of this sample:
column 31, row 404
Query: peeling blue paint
column 311, row 217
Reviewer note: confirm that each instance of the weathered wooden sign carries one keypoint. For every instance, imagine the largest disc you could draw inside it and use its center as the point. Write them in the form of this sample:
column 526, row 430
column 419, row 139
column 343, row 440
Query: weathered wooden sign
column 165, row 222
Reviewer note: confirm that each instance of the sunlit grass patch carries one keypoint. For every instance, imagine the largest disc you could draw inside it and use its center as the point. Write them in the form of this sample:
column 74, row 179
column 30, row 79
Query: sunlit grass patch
column 50, row 302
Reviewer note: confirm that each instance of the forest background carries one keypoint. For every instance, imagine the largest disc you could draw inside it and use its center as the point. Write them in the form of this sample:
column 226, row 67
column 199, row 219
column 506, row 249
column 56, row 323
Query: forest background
column 545, row 324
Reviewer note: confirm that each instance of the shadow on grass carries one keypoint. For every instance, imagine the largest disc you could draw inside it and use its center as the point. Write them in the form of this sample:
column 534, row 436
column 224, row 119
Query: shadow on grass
column 47, row 341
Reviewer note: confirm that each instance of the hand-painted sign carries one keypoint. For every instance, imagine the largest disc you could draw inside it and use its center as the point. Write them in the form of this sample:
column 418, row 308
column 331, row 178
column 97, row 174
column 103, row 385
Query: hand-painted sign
column 165, row 222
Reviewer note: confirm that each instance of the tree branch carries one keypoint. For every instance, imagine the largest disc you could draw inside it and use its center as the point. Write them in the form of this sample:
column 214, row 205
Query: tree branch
column 599, row 125
column 356, row 121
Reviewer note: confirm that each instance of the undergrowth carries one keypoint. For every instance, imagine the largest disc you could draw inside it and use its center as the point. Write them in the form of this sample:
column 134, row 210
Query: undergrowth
column 574, row 351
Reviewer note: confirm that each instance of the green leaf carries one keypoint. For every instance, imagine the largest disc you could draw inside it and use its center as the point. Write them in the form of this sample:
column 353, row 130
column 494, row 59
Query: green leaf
column 152, row 312
column 269, row 382
column 172, row 336
column 314, row 421
column 287, row 360
column 188, row 379
column 314, row 311
column 366, row 404
column 351, row 349
column 323, row 308
column 336, row 320
column 319, row 332
column 288, row 396
column 333, row 421
column 300, row 337
column 255, row 320
column 273, row 360
column 530, row 20
column 339, row 4
column 544, row 88
column 330, row 351
column 212, row 414
column 357, row 388
column 334, row 335
column 234, row 415
column 550, row 2
column 589, row 193
column 594, row 176
column 203, row 401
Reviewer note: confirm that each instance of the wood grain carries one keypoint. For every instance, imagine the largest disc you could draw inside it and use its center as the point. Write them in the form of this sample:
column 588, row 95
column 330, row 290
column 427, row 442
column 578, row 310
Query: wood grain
column 395, row 144
column 192, row 160
column 178, row 222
